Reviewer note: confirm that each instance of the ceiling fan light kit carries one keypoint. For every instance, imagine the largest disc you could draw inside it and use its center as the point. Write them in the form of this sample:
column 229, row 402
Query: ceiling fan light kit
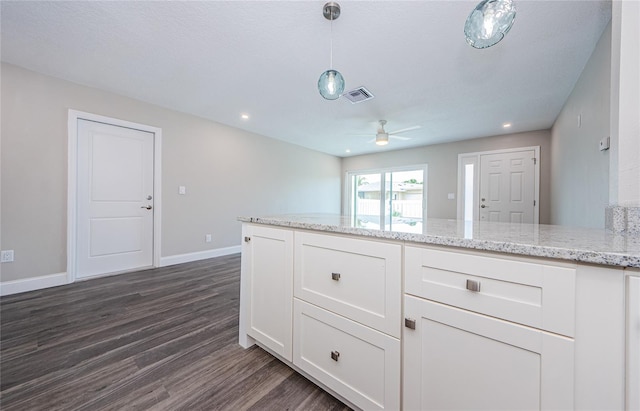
column 382, row 139
column 331, row 83
column 489, row 22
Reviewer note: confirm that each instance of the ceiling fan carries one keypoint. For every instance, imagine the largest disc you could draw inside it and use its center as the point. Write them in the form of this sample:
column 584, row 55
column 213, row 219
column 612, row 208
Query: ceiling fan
column 382, row 137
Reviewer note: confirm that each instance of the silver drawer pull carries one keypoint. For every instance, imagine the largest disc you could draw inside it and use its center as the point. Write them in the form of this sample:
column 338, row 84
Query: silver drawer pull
column 473, row 286
column 335, row 276
column 410, row 323
column 335, row 355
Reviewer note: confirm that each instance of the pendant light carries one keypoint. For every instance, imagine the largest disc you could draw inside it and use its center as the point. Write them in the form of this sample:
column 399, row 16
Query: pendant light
column 331, row 82
column 489, row 22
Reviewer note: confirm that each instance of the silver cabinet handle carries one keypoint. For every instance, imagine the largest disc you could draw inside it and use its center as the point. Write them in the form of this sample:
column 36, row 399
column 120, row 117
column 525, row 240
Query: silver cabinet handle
column 410, row 323
column 148, row 207
column 335, row 276
column 473, row 286
column 335, row 355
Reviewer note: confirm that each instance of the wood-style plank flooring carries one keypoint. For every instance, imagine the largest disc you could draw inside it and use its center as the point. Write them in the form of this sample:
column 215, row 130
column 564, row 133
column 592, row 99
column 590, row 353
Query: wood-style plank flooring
column 159, row 339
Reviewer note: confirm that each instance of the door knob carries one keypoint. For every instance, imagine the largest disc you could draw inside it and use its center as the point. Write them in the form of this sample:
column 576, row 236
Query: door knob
column 148, row 207
column 483, row 206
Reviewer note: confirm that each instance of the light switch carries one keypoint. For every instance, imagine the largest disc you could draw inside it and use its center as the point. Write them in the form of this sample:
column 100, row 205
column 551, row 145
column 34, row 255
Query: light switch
column 451, row 196
column 182, row 190
column 6, row 256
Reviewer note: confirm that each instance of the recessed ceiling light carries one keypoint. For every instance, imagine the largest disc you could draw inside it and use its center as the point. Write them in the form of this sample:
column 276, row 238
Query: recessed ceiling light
column 244, row 116
column 506, row 125
column 347, row 151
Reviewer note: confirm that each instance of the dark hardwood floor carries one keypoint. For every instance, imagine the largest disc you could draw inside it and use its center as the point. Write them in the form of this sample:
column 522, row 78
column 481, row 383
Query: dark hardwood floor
column 160, row 339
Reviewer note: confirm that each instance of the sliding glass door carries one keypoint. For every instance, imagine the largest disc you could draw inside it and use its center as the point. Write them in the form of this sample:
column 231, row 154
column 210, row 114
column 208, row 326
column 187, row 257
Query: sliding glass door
column 388, row 199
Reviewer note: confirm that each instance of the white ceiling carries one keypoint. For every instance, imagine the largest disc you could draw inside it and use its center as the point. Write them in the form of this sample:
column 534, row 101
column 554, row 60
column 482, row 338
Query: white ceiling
column 218, row 59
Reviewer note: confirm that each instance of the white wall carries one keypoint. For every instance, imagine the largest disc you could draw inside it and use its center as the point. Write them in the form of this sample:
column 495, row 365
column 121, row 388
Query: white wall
column 228, row 172
column 443, row 166
column 624, row 178
column 579, row 171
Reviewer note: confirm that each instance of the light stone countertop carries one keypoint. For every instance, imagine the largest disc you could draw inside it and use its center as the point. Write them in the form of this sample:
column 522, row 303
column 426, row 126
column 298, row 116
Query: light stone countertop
column 585, row 245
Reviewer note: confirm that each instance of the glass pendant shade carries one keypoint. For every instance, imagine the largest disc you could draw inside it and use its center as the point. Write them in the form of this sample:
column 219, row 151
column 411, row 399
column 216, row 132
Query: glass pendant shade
column 331, row 84
column 489, row 22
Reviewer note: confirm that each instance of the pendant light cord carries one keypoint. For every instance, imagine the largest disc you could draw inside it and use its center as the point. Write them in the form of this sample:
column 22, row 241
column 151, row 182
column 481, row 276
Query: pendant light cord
column 331, row 42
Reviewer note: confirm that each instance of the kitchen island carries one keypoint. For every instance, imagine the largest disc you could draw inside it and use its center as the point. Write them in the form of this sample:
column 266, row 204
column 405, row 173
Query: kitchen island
column 513, row 315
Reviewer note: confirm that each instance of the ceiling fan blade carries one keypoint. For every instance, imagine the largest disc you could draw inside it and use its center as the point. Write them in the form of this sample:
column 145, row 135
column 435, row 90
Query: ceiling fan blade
column 372, row 140
column 406, row 129
column 399, row 137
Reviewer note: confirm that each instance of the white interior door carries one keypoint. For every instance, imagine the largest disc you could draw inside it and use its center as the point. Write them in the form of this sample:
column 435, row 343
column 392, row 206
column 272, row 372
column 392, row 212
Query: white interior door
column 114, row 198
column 507, row 187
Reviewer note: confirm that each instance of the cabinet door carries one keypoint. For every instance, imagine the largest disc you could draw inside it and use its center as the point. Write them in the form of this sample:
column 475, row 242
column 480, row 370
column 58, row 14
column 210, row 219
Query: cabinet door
column 267, row 265
column 633, row 342
column 456, row 359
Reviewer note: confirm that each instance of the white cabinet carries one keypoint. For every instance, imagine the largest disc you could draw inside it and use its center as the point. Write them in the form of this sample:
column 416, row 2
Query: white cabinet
column 357, row 362
column 522, row 291
column 347, row 316
column 342, row 324
column 633, row 342
column 358, row 279
column 457, row 359
column 483, row 332
column 267, row 287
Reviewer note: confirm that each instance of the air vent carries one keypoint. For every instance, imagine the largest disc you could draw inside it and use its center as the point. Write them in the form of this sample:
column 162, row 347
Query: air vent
column 358, row 95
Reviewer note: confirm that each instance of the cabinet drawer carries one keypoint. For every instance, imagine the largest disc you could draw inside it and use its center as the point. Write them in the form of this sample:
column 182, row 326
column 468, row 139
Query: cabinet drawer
column 358, row 279
column 525, row 292
column 358, row 363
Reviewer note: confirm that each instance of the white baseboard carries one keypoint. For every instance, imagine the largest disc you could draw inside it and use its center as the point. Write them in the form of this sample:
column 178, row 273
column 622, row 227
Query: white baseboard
column 54, row 280
column 200, row 255
column 31, row 284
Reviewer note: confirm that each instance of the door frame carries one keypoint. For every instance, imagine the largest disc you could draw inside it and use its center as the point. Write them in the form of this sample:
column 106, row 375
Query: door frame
column 476, row 177
column 72, row 183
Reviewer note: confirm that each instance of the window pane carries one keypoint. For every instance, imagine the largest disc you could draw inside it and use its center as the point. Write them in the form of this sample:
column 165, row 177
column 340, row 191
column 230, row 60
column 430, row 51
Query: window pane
column 366, row 200
column 403, row 200
column 468, row 192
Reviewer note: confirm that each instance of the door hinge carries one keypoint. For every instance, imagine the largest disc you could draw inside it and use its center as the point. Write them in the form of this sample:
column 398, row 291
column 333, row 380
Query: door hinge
column 535, row 161
column 247, row 239
column 534, row 203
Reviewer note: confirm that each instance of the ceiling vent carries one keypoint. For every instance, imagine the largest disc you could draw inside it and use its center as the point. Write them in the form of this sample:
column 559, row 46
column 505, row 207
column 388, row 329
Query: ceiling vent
column 358, row 95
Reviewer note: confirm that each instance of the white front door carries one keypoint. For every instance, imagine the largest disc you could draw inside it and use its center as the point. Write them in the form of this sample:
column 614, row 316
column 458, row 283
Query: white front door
column 114, row 198
column 507, row 187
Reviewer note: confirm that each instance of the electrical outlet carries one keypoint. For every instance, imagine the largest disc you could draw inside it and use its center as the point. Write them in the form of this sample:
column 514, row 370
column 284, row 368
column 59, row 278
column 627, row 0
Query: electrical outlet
column 6, row 256
column 207, row 238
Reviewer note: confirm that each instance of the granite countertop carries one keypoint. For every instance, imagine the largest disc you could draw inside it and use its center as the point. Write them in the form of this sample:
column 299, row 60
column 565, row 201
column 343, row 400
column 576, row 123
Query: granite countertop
column 585, row 245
